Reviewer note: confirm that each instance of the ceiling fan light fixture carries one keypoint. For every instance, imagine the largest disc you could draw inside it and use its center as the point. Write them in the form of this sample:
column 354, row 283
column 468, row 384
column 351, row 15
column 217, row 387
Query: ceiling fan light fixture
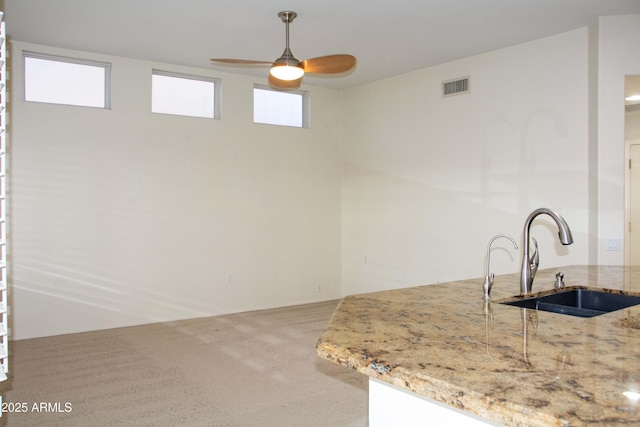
column 287, row 67
column 286, row 71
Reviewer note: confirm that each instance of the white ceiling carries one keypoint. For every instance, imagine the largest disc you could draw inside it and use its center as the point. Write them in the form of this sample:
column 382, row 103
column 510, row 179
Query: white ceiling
column 388, row 37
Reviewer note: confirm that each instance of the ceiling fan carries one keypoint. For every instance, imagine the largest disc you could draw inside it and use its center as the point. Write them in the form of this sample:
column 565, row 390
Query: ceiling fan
column 286, row 72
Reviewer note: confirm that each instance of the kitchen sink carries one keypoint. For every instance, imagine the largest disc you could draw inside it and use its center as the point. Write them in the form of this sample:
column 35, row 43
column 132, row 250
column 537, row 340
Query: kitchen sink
column 579, row 302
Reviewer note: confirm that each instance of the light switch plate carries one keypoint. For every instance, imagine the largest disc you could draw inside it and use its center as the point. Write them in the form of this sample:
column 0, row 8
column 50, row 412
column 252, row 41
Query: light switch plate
column 613, row 245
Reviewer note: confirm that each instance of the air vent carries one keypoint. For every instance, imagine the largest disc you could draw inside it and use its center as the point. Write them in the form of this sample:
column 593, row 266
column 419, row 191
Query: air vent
column 455, row 87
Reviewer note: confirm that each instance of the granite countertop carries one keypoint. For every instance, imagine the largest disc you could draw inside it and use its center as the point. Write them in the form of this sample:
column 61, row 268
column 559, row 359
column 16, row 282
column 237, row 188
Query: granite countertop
column 514, row 366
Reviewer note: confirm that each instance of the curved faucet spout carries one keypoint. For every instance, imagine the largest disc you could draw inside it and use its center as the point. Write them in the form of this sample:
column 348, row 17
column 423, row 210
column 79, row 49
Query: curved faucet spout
column 530, row 264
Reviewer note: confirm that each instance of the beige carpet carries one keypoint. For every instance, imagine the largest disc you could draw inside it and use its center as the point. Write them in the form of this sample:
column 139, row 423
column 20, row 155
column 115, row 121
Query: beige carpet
column 248, row 369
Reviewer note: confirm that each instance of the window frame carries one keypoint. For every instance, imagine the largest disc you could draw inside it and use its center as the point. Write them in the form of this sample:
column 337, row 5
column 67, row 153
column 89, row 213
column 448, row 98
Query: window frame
column 216, row 91
column 304, row 111
column 69, row 60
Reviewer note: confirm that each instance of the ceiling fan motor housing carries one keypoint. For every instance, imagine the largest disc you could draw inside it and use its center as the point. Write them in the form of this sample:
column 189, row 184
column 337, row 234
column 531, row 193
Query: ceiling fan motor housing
column 287, row 58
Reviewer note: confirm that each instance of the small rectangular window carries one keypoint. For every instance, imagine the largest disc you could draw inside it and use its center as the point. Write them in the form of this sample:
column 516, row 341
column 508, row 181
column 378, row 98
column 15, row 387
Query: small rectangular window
column 274, row 107
column 58, row 80
column 184, row 95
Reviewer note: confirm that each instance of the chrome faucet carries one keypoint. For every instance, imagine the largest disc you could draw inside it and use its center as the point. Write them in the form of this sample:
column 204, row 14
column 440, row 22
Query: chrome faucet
column 530, row 263
column 489, row 277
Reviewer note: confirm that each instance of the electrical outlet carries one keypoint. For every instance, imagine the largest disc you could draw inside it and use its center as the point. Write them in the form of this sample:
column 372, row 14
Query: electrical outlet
column 228, row 278
column 318, row 287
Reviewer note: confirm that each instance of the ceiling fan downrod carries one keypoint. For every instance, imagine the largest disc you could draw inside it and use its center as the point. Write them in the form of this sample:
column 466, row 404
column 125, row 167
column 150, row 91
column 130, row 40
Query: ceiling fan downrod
column 287, row 17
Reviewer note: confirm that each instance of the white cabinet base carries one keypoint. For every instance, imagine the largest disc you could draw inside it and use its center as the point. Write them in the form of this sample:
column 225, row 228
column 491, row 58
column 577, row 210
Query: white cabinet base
column 390, row 406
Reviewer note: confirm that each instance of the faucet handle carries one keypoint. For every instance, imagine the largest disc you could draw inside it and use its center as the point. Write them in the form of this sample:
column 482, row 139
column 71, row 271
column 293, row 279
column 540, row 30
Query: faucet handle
column 488, row 283
column 535, row 258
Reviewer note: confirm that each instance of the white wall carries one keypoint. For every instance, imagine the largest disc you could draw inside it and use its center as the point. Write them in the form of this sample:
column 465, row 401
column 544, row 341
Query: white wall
column 618, row 44
column 428, row 181
column 122, row 217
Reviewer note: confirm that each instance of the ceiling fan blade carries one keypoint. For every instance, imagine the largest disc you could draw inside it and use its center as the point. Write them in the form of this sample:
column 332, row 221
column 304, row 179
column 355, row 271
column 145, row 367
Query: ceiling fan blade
column 284, row 84
column 240, row 61
column 331, row 64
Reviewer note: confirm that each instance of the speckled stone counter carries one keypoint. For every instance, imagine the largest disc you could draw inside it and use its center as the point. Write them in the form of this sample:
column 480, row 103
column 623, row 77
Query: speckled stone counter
column 515, row 366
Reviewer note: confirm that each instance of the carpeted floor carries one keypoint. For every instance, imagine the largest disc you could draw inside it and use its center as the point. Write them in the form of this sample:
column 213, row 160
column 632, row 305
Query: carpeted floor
column 248, row 369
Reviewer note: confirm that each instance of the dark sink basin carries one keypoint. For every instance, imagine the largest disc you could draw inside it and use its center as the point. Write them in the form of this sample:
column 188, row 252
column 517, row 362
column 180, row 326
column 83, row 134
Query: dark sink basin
column 579, row 302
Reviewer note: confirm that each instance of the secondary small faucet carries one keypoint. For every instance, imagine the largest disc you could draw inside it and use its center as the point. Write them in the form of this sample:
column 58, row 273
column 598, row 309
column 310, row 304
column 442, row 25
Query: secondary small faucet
column 489, row 277
column 530, row 263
